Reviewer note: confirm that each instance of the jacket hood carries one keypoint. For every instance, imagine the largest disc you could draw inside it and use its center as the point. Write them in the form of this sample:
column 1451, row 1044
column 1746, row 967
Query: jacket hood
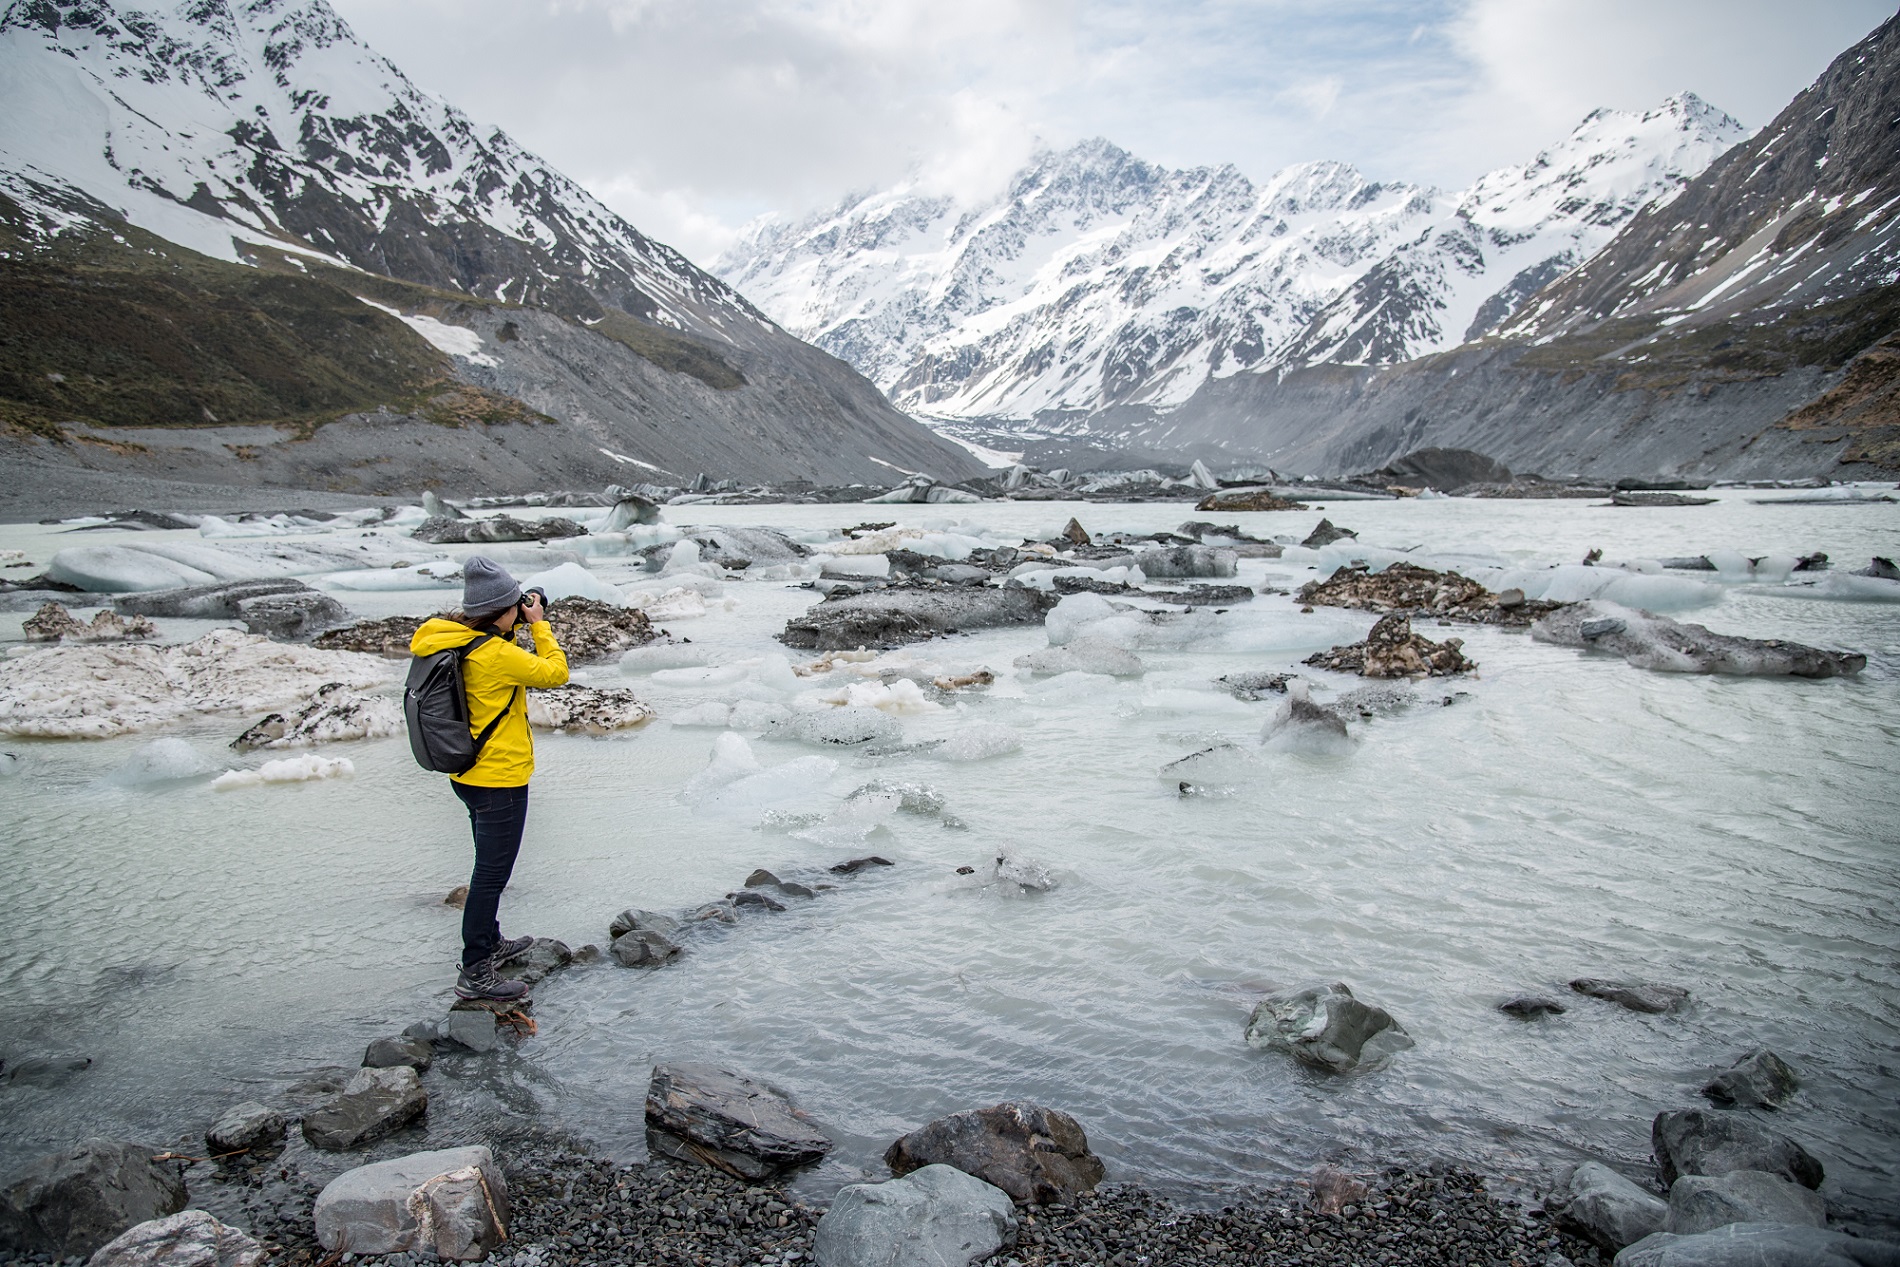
column 438, row 634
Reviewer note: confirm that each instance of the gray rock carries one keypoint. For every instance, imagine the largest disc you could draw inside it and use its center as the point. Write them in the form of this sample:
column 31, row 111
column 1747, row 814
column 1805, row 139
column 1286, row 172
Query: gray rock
column 1759, row 1245
column 649, row 921
column 1759, row 1080
column 372, row 1104
column 856, row 865
column 641, row 948
column 1326, row 1027
column 1881, row 569
column 470, row 1027
column 75, row 1200
column 245, row 1127
column 718, row 1118
column 392, row 1053
column 190, row 1238
column 435, row 508
column 1708, row 1142
column 937, row 1216
column 452, row 1202
column 1658, row 643
column 423, row 1031
column 207, row 602
column 754, row 898
column 1603, row 1206
column 1529, row 1007
column 1701, row 1203
column 543, row 959
column 441, row 530
column 44, row 1071
column 1637, row 998
column 1327, row 533
column 297, row 614
column 896, row 616
column 1182, row 561
column 1036, row 1155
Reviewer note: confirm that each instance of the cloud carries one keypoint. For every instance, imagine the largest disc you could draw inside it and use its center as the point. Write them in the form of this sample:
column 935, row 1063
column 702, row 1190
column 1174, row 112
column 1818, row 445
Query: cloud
column 691, row 117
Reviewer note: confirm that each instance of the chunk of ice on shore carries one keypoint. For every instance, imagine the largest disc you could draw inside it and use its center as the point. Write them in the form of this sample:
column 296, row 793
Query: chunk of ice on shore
column 119, row 569
column 161, row 761
column 571, row 580
column 300, row 769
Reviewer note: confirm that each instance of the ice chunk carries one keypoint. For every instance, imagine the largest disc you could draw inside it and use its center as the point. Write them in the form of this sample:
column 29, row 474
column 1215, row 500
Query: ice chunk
column 675, row 604
column 1301, row 726
column 117, row 569
column 756, row 716
column 797, row 781
column 682, row 557
column 1083, row 655
column 661, row 655
column 435, row 574
column 871, row 565
column 711, row 713
column 300, row 769
column 840, row 727
column 571, row 580
column 732, row 759
column 1840, row 587
column 1069, row 616
column 979, row 742
column 1023, row 873
column 1656, row 642
column 851, row 822
column 1220, row 768
column 900, row 698
column 161, row 761
column 701, row 678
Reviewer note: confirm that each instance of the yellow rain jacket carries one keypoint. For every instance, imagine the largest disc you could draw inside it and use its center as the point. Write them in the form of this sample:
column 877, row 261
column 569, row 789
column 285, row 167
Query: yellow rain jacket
column 490, row 674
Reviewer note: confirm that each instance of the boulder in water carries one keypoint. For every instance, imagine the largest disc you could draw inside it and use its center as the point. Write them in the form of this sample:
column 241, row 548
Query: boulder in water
column 1635, row 997
column 1392, row 650
column 1759, row 1080
column 190, row 1238
column 1529, row 1007
column 472, row 1028
column 725, row 1120
column 1709, row 1142
column 1326, row 1027
column 403, row 1052
column 1325, row 533
column 44, row 1071
column 451, row 1203
column 642, row 948
column 1658, row 643
column 1036, row 1155
column 1701, row 1203
column 936, row 1216
column 244, row 1128
column 371, row 1105
column 900, row 615
column 73, row 1201
column 1760, row 1245
column 648, row 921
column 1597, row 1203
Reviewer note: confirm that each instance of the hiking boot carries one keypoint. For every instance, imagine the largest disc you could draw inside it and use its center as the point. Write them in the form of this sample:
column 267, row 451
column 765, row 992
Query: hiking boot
column 510, row 949
column 478, row 981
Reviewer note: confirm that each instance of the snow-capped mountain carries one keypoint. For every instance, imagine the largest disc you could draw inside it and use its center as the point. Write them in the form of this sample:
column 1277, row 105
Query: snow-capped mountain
column 1097, row 280
column 233, row 125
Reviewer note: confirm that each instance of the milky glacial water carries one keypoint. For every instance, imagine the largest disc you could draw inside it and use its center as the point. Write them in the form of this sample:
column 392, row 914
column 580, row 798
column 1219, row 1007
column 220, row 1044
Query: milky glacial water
column 1565, row 815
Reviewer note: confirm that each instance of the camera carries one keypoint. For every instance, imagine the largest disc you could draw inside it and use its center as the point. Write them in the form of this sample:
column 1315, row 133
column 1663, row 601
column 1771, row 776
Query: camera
column 537, row 592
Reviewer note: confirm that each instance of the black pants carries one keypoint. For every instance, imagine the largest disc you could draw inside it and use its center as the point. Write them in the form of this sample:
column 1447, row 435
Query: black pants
column 497, row 815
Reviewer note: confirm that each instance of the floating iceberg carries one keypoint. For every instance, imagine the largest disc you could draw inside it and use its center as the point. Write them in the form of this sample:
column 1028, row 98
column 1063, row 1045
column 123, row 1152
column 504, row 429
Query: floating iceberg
column 302, row 769
column 979, row 742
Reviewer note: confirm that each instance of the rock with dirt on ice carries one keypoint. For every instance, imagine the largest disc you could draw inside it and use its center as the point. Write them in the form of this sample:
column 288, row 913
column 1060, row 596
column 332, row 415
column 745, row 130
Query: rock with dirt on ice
column 1711, row 1142
column 53, row 623
column 1187, row 561
column 712, row 1116
column 1392, row 650
column 1663, row 645
column 279, row 607
column 1038, row 1156
column 190, row 1238
column 1326, row 533
column 388, row 636
column 1759, row 1080
column 372, row 1104
column 1254, row 686
column 900, row 615
column 1247, row 499
column 1406, row 587
column 444, row 531
column 245, row 1128
column 735, row 548
column 934, row 1217
column 1326, row 1027
column 586, row 710
column 1760, row 1245
column 855, row 865
column 1602, row 1206
column 1074, row 533
column 334, row 713
column 1205, row 596
column 1636, row 997
column 1702, row 1203
column 73, row 1201
column 588, row 630
column 451, row 1204
column 95, row 692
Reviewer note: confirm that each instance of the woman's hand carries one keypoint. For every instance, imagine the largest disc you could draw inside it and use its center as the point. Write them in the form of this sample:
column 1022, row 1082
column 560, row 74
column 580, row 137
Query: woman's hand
column 531, row 609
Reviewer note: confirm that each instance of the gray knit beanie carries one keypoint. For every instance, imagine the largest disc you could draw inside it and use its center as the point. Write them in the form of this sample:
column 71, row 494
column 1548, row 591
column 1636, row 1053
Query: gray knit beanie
column 487, row 589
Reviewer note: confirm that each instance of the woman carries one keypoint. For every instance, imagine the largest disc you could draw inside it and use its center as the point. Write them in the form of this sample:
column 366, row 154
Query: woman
column 495, row 676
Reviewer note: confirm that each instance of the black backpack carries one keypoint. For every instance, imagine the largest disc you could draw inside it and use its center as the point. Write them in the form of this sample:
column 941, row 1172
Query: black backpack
column 436, row 708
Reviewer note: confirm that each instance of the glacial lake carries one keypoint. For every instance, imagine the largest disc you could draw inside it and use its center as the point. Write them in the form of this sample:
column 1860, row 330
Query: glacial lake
column 1563, row 815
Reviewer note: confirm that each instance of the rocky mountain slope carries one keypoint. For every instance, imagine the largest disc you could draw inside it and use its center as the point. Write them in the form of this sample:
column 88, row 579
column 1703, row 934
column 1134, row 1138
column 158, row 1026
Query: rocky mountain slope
column 263, row 137
column 1746, row 327
column 1097, row 284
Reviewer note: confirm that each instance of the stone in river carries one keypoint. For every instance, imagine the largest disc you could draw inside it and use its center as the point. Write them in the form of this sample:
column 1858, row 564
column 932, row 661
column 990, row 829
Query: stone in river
column 1637, row 998
column 1326, row 1027
column 899, row 615
column 1710, row 1142
column 1662, row 645
column 1327, row 533
column 730, row 1122
column 373, row 1103
column 392, row 1053
column 1760, row 1245
column 1529, row 1007
column 858, row 864
column 44, row 1071
column 642, row 948
column 75, row 1200
column 450, row 1203
column 1601, row 1205
column 190, row 1238
column 245, row 1127
column 1759, row 1080
column 648, row 921
column 470, row 1027
column 1701, row 1203
column 1391, row 649
column 1036, row 1155
column 752, row 897
column 937, row 1216
column 540, row 961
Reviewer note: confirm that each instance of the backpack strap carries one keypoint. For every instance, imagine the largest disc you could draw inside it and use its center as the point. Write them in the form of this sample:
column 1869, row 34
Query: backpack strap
column 481, row 740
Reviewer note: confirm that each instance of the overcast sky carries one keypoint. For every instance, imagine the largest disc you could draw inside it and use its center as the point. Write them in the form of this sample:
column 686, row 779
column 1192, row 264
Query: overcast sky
column 690, row 117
